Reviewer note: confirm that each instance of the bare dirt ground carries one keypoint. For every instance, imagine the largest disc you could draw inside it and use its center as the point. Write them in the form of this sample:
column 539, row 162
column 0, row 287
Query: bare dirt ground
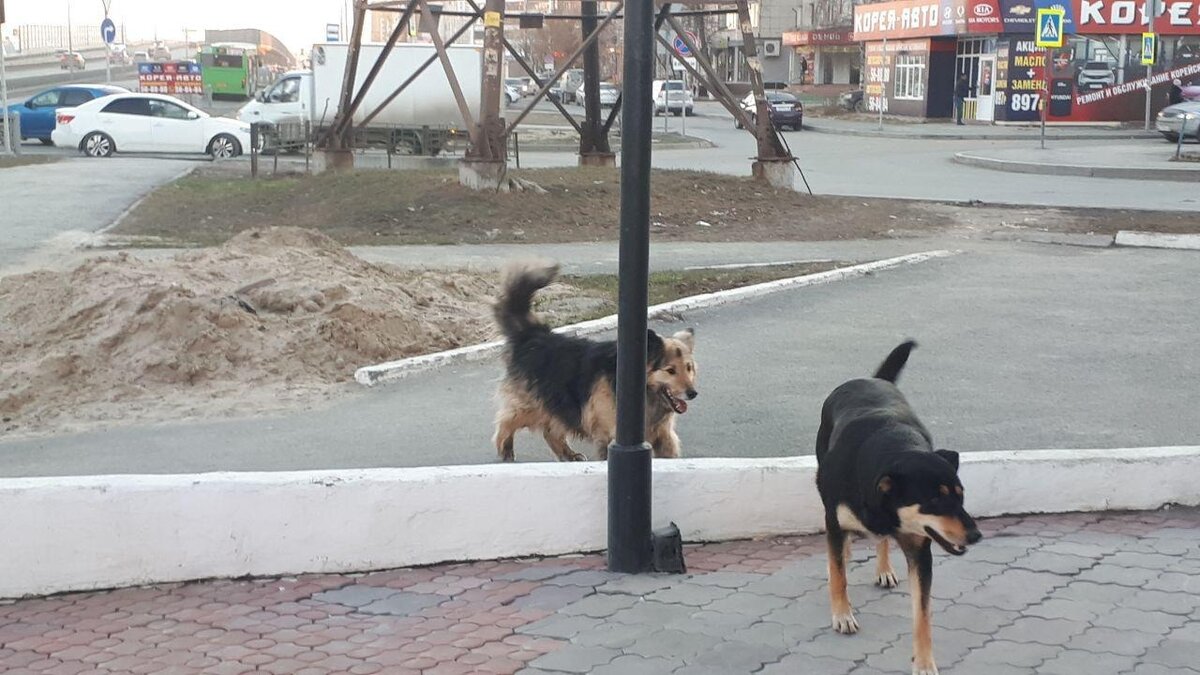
column 273, row 319
column 430, row 207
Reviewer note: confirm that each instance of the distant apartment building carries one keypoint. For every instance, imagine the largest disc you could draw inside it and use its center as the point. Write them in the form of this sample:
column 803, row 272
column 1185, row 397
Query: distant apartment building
column 799, row 41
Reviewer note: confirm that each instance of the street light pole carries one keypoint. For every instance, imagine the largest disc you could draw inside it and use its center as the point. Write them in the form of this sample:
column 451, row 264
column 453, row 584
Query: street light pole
column 629, row 542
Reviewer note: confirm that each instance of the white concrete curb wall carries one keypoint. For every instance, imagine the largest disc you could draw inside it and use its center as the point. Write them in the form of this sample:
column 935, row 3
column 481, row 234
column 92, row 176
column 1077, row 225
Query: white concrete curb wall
column 80, row 533
column 395, row 370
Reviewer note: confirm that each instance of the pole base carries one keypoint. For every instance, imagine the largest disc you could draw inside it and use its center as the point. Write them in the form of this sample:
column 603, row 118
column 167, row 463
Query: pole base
column 333, row 160
column 630, row 547
column 778, row 172
column 481, row 174
column 604, row 159
column 667, row 545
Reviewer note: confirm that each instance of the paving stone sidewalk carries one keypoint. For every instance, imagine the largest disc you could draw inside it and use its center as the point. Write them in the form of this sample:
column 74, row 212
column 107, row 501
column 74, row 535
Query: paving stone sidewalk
column 1103, row 594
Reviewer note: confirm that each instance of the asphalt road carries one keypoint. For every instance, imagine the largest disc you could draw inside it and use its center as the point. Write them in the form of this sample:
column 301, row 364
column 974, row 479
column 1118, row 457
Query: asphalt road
column 65, row 200
column 1022, row 346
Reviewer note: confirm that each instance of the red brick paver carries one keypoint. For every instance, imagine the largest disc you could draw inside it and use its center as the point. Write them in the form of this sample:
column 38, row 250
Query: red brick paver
column 454, row 618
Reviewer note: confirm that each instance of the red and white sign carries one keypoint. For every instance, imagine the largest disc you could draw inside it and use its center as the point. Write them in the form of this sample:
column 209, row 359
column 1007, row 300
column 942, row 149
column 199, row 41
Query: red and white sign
column 1177, row 17
column 829, row 36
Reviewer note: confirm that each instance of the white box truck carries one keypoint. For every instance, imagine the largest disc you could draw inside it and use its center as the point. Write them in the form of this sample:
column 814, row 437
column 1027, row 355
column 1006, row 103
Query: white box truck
column 420, row 121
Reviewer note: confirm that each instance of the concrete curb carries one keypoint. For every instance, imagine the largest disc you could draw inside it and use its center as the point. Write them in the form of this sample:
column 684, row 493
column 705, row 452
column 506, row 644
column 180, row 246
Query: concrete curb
column 1187, row 242
column 1013, row 166
column 112, row 531
column 395, row 370
column 988, row 136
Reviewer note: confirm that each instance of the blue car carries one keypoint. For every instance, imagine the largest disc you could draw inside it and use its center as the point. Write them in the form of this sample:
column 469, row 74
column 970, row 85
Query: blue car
column 37, row 113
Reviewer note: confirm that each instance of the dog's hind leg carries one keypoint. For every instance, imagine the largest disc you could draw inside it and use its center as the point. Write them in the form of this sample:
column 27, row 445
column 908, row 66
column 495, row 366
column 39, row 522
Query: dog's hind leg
column 839, row 601
column 507, row 425
column 561, row 449
column 885, row 576
column 920, row 580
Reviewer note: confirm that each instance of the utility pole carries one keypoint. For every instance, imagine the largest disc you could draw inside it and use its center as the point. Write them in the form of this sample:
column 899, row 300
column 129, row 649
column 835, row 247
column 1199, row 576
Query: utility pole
column 593, row 141
column 485, row 166
column 8, row 137
column 629, row 536
column 70, row 43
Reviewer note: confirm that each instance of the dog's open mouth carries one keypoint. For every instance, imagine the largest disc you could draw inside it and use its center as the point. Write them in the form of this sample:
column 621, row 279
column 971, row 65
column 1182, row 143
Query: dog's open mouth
column 677, row 404
column 952, row 549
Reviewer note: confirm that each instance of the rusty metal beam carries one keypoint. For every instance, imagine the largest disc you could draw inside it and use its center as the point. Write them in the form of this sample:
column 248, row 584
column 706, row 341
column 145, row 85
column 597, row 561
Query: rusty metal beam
column 616, row 109
column 710, row 77
column 489, row 138
column 416, row 73
column 593, row 139
column 769, row 145
column 566, row 66
column 533, row 75
column 339, row 131
column 440, row 47
column 401, row 26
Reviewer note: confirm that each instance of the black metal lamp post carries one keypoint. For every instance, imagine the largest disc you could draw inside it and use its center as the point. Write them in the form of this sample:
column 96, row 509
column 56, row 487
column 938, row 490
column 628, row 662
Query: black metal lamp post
column 629, row 541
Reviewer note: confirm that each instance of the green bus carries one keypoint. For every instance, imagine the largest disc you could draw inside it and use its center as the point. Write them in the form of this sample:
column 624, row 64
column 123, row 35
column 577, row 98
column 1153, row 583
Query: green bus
column 228, row 69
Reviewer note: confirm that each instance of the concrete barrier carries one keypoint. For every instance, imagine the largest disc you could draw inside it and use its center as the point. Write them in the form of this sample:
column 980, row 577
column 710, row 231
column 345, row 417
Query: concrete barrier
column 78, row 533
column 1133, row 238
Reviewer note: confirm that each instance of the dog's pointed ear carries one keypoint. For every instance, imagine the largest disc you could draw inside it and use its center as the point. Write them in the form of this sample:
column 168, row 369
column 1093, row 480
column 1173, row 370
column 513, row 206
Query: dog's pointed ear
column 688, row 337
column 654, row 347
column 950, row 456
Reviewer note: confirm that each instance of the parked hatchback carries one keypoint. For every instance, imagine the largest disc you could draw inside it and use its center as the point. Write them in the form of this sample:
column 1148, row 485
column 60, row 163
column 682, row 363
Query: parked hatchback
column 148, row 123
column 37, row 113
column 672, row 96
column 785, row 109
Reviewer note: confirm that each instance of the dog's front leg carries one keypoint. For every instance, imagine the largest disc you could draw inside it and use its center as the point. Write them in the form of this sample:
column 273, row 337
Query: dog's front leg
column 885, row 576
column 666, row 444
column 920, row 580
column 562, row 450
column 839, row 601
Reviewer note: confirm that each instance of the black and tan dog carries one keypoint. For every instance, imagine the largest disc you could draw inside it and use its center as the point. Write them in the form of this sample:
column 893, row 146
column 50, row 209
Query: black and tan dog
column 879, row 475
column 564, row 386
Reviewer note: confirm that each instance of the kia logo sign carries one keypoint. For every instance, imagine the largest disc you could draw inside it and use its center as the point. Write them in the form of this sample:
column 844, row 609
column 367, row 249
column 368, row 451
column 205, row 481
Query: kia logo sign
column 983, row 10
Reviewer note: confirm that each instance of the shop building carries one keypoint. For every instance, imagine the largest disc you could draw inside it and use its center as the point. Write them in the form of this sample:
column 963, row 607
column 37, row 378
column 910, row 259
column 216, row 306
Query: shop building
column 824, row 56
column 915, row 50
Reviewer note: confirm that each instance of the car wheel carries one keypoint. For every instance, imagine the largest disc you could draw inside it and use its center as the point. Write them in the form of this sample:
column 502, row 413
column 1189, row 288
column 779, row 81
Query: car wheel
column 1174, row 138
column 98, row 144
column 46, row 141
column 224, row 146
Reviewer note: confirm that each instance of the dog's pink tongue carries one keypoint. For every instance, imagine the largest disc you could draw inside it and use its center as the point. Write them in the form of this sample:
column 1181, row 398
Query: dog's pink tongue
column 680, row 406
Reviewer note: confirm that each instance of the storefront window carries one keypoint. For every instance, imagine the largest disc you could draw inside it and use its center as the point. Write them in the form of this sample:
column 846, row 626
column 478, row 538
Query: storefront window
column 910, row 77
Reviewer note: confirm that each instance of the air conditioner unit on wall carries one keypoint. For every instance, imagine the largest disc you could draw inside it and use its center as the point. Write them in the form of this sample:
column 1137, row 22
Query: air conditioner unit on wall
column 771, row 47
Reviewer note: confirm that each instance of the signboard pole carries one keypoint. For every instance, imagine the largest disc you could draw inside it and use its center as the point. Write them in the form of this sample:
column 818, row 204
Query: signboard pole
column 1045, row 102
column 8, row 139
column 883, row 86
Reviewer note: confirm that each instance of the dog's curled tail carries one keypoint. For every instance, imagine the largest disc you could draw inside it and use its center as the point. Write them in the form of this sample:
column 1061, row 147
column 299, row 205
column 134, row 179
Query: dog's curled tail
column 522, row 279
column 894, row 363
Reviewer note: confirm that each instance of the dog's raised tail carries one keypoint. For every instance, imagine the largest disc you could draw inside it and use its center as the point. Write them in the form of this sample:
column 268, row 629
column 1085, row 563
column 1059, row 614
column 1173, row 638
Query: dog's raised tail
column 894, row 363
column 522, row 279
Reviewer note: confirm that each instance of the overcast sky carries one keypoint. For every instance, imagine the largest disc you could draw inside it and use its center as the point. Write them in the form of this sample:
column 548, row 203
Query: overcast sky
column 299, row 23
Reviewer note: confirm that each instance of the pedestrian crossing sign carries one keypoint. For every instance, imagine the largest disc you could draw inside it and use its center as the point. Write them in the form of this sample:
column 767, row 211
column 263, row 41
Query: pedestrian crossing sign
column 1149, row 48
column 1050, row 27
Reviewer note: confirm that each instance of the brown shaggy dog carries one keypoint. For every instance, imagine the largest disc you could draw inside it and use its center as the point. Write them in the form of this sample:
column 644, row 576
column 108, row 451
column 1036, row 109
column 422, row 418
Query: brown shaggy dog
column 565, row 387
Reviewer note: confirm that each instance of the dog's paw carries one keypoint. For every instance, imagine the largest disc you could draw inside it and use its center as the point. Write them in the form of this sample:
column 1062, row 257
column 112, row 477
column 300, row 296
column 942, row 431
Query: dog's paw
column 845, row 624
column 507, row 456
column 927, row 669
column 886, row 580
column 576, row 457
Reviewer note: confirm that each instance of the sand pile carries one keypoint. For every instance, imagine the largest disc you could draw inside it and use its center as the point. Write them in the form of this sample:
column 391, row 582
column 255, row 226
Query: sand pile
column 271, row 318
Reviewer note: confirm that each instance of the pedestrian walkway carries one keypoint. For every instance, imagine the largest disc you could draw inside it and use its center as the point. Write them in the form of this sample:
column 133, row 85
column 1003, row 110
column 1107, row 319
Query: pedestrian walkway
column 1112, row 593
column 861, row 125
column 1143, row 160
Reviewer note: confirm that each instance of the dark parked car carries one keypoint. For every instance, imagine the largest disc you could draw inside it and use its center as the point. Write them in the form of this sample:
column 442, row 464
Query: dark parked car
column 786, row 109
column 853, row 101
column 37, row 113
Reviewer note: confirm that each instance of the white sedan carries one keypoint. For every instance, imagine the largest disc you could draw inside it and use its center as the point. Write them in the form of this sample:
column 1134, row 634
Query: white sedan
column 147, row 123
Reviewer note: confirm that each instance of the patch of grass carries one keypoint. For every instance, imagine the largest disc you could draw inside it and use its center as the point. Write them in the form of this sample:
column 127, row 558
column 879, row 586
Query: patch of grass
column 25, row 160
column 430, row 207
column 673, row 285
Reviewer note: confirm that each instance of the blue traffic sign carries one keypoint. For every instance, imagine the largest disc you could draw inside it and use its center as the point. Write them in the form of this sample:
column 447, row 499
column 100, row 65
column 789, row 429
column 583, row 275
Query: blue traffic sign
column 681, row 47
column 108, row 31
column 1050, row 27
